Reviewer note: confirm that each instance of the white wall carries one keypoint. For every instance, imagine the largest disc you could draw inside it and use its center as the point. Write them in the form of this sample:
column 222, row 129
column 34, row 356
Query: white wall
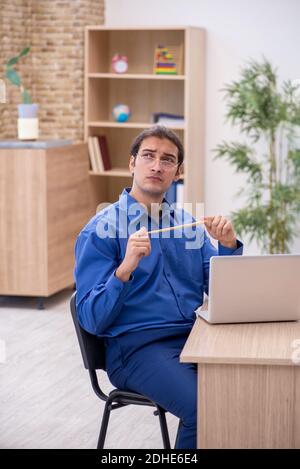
column 237, row 30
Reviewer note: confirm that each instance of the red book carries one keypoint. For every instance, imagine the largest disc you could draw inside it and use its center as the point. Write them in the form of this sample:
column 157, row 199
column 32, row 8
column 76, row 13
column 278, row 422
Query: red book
column 104, row 152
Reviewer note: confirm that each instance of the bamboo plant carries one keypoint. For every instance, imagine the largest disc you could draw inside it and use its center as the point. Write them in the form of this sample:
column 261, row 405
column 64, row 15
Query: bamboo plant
column 269, row 119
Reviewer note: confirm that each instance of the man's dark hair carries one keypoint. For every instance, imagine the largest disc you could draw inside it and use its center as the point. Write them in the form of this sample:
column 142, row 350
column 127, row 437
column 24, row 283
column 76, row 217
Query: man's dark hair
column 158, row 131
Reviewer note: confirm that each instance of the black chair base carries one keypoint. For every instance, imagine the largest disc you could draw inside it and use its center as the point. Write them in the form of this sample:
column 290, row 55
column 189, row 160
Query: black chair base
column 93, row 354
column 117, row 399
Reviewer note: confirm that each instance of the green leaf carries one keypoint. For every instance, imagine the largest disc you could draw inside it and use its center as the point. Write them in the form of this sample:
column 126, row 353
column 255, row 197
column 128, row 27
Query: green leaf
column 12, row 61
column 240, row 155
column 252, row 222
column 13, row 77
column 254, row 102
column 26, row 99
column 294, row 158
column 24, row 51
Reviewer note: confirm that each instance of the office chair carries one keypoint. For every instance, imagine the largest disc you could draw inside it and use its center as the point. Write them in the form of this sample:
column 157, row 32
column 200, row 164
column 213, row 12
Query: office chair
column 93, row 355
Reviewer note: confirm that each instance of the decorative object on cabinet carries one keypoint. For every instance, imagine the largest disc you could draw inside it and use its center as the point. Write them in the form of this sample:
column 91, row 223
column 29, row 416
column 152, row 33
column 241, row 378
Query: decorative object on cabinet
column 28, row 124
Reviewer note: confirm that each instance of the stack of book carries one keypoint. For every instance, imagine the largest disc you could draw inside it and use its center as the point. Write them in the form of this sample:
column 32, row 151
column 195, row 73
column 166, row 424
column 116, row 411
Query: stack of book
column 167, row 119
column 99, row 154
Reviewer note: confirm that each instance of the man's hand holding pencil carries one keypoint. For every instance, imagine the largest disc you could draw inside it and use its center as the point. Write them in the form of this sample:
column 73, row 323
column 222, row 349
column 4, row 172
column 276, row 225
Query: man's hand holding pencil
column 221, row 229
column 139, row 244
column 218, row 227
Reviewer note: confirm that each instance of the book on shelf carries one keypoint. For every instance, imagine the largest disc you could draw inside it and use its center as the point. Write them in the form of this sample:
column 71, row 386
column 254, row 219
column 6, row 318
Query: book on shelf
column 171, row 120
column 92, row 155
column 98, row 157
column 104, row 152
column 99, row 154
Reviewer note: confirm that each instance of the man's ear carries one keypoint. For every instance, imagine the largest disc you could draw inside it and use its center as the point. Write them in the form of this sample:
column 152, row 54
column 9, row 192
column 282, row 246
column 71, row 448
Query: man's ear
column 132, row 164
column 178, row 173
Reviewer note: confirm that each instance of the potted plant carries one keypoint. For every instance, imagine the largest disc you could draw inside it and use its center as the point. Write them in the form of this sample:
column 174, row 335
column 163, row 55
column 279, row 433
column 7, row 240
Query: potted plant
column 28, row 128
column 269, row 118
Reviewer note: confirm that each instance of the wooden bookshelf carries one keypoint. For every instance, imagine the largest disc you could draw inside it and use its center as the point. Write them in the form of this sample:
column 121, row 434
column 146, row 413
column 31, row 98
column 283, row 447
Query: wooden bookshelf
column 145, row 93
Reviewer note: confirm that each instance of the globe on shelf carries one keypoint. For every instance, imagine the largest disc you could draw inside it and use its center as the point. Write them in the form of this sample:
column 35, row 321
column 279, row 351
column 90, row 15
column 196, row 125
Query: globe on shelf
column 121, row 112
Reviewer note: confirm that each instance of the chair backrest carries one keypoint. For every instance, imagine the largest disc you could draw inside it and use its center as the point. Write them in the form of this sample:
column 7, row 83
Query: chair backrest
column 92, row 347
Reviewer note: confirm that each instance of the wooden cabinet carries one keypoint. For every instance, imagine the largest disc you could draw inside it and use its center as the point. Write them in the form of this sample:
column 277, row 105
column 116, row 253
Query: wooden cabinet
column 44, row 203
column 145, row 93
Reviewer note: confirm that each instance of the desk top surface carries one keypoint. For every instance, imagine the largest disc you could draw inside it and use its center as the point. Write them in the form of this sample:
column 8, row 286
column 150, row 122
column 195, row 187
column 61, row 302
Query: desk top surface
column 275, row 343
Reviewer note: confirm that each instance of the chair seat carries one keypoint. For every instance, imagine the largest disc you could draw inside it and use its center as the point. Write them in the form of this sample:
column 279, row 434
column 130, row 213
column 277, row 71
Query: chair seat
column 129, row 397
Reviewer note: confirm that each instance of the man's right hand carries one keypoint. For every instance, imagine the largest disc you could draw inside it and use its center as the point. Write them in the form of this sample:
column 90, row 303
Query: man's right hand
column 138, row 246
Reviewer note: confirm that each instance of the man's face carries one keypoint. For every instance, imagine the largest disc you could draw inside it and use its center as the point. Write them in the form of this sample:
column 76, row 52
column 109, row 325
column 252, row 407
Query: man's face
column 155, row 166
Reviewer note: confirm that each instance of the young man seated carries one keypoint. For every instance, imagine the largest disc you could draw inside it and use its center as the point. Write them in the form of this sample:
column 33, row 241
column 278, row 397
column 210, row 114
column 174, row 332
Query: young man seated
column 139, row 290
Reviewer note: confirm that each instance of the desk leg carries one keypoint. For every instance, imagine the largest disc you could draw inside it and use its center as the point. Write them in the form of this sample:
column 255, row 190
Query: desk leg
column 248, row 406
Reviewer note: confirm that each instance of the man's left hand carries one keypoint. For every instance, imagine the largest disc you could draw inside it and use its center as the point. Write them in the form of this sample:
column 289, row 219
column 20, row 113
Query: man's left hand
column 222, row 230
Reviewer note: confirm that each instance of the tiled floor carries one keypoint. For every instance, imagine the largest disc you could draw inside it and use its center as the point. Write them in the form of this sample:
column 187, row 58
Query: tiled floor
column 46, row 400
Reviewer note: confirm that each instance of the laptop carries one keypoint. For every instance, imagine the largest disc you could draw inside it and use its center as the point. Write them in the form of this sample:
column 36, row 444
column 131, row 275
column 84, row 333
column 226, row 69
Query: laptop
column 253, row 289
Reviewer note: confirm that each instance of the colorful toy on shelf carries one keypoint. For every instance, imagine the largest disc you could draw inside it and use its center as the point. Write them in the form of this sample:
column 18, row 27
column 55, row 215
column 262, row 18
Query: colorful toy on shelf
column 119, row 63
column 121, row 112
column 168, row 60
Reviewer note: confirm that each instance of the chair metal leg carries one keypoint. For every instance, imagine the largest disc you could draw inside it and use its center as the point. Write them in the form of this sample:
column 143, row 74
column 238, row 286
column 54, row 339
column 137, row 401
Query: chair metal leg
column 105, row 419
column 104, row 425
column 164, row 428
column 179, row 425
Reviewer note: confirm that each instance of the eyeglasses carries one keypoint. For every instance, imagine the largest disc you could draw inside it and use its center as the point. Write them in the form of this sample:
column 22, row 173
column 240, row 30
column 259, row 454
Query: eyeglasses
column 167, row 162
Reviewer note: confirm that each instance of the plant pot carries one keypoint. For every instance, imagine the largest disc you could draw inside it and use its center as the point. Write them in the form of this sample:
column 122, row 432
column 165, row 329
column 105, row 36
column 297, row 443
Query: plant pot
column 28, row 123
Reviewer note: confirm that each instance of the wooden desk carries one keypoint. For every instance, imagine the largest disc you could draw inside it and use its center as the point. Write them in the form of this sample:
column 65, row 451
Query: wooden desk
column 248, row 384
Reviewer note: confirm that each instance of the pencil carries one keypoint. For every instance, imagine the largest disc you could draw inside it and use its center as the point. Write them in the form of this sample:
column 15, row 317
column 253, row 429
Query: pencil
column 176, row 227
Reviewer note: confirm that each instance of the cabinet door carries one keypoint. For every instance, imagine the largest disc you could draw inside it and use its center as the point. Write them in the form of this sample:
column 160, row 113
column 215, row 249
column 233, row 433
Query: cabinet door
column 23, row 248
column 68, row 210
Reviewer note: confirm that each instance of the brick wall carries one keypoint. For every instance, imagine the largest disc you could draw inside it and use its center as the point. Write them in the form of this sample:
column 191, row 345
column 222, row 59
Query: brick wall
column 53, row 72
column 15, row 31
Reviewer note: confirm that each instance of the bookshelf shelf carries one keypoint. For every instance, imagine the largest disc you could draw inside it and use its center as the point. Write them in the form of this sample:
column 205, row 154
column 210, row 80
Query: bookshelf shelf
column 136, row 76
column 127, row 125
column 146, row 93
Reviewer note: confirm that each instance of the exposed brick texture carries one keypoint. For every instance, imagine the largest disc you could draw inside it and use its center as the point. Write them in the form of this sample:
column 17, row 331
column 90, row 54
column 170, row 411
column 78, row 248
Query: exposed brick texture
column 53, row 71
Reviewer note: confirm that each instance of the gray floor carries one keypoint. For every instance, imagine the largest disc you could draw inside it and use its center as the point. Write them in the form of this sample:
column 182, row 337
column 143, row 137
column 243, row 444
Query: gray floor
column 46, row 400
